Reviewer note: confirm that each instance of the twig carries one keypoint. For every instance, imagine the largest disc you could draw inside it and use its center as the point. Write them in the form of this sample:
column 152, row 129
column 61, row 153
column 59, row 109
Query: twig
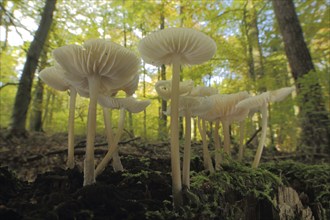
column 8, row 84
column 253, row 136
column 79, row 145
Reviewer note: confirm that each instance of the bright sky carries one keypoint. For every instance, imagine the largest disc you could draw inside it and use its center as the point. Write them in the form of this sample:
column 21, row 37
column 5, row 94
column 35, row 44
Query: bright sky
column 17, row 35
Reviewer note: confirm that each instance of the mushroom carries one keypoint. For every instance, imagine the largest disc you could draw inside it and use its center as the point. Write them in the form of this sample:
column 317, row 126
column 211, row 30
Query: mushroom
column 55, row 78
column 163, row 88
column 203, row 91
column 261, row 102
column 190, row 106
column 103, row 67
column 224, row 110
column 129, row 89
column 130, row 104
column 176, row 46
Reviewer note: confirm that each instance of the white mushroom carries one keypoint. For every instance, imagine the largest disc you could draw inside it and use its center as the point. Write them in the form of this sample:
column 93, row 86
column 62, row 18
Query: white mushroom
column 130, row 104
column 176, row 46
column 54, row 77
column 163, row 88
column 102, row 67
column 225, row 111
column 203, row 91
column 261, row 102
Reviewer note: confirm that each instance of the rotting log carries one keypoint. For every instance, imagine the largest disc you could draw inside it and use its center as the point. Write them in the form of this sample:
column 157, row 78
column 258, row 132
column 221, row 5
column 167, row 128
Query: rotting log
column 290, row 205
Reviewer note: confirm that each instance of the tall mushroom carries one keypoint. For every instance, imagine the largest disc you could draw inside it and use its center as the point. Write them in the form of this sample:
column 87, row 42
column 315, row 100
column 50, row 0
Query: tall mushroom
column 102, row 67
column 176, row 46
column 203, row 91
column 55, row 78
column 261, row 102
column 190, row 106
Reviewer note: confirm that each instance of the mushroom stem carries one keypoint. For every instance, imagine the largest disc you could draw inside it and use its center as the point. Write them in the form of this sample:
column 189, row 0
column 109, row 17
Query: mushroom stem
column 226, row 137
column 94, row 84
column 218, row 157
column 257, row 157
column 70, row 161
column 187, row 148
column 206, row 154
column 108, row 127
column 116, row 163
column 175, row 151
column 114, row 147
column 241, row 140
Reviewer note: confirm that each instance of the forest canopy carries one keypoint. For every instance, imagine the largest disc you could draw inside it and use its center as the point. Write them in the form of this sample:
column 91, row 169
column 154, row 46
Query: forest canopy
column 251, row 56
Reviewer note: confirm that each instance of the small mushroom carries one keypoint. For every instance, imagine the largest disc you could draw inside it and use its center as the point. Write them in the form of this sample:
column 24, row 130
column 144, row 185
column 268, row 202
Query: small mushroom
column 55, row 78
column 225, row 111
column 203, row 91
column 130, row 104
column 103, row 67
column 190, row 106
column 176, row 46
column 163, row 88
column 261, row 102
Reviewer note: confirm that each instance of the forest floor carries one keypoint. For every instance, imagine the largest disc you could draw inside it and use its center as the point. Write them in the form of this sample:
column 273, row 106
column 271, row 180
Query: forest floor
column 35, row 184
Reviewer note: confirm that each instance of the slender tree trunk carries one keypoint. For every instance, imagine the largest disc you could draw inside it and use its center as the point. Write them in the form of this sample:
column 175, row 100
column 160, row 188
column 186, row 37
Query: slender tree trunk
column 254, row 49
column 37, row 103
column 23, row 95
column 162, row 131
column 36, row 111
column 313, row 114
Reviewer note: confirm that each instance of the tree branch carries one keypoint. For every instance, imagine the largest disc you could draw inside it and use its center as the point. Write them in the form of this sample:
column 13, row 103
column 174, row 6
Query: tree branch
column 8, row 84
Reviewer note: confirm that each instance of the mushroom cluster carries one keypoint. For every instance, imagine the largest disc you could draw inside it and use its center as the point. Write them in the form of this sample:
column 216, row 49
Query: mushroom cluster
column 97, row 70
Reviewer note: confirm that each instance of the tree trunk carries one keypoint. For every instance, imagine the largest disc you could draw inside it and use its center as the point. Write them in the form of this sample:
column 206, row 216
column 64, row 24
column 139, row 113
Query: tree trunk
column 254, row 50
column 23, row 95
column 37, row 103
column 36, row 111
column 313, row 114
column 162, row 131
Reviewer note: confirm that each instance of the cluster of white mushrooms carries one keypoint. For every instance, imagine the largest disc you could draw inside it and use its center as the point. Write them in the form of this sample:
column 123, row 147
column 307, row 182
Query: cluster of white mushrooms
column 97, row 70
column 100, row 68
column 182, row 46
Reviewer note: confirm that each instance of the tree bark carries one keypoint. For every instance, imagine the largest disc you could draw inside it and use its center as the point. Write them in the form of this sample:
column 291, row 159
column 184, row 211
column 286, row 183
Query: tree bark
column 23, row 95
column 37, row 102
column 36, row 111
column 313, row 114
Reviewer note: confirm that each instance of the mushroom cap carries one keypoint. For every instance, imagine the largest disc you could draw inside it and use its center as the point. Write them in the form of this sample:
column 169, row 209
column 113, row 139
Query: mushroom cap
column 131, row 86
column 254, row 102
column 224, row 107
column 129, row 103
column 55, row 78
column 189, row 45
column 115, row 65
column 280, row 94
column 197, row 105
column 164, row 88
column 203, row 91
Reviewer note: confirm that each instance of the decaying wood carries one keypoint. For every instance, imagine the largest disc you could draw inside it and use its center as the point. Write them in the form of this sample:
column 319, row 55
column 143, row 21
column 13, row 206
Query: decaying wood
column 290, row 206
